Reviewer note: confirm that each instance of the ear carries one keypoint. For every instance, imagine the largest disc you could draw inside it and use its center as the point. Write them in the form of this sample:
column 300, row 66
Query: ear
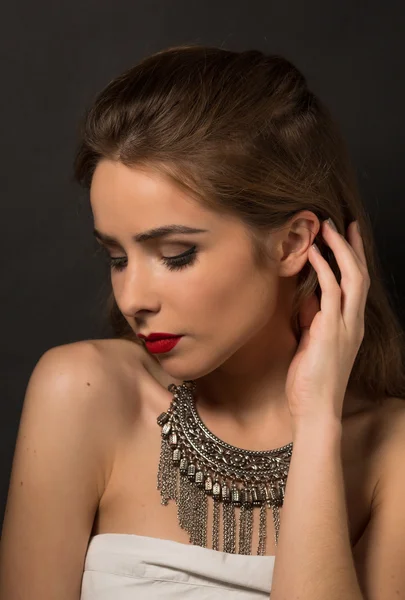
column 293, row 242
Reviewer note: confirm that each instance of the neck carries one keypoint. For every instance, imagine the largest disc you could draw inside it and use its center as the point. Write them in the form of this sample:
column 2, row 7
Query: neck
column 245, row 397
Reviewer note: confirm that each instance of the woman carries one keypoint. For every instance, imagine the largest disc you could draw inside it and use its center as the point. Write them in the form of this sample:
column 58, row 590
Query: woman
column 259, row 449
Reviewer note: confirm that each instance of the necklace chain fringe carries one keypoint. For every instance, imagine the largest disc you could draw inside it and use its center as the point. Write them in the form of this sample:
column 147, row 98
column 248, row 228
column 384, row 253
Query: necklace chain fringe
column 195, row 465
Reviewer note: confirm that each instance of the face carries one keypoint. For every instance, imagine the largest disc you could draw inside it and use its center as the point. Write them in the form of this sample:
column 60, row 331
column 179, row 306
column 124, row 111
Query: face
column 233, row 315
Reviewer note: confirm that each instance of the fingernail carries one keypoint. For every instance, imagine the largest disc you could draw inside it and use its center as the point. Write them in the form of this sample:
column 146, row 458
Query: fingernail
column 331, row 224
column 316, row 248
column 358, row 227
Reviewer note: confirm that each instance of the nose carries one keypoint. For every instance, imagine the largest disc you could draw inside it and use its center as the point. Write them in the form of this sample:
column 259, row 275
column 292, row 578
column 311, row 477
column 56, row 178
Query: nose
column 135, row 291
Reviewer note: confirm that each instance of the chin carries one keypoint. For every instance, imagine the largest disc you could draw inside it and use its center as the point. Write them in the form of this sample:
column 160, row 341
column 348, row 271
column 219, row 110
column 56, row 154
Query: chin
column 179, row 375
column 184, row 374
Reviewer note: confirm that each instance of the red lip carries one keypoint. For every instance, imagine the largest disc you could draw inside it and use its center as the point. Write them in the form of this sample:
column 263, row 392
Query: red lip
column 158, row 336
column 162, row 345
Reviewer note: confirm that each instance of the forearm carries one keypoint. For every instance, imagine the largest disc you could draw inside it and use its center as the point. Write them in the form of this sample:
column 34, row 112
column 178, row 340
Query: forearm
column 313, row 557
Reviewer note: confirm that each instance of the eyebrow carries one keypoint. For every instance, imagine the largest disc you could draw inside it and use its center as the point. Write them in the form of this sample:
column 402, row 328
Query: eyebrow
column 151, row 234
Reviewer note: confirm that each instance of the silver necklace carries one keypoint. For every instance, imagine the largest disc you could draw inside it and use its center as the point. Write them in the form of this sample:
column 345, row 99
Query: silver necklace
column 195, row 465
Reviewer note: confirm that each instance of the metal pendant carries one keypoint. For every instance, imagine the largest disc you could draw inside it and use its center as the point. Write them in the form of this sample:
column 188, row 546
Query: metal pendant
column 195, row 465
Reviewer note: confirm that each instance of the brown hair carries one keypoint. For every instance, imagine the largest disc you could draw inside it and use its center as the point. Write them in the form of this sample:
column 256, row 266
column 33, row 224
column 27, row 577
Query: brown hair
column 241, row 133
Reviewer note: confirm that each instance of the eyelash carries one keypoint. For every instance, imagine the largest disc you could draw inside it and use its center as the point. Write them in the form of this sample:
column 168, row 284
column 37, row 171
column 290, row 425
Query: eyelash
column 173, row 263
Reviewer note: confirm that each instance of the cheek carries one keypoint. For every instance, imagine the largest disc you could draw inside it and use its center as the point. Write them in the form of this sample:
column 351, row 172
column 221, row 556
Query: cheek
column 227, row 293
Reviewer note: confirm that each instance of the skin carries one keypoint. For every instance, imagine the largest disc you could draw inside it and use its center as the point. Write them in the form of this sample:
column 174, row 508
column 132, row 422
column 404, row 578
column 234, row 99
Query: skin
column 236, row 354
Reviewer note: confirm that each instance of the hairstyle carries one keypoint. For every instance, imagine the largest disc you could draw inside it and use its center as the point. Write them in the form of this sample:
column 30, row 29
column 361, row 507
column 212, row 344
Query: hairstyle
column 242, row 134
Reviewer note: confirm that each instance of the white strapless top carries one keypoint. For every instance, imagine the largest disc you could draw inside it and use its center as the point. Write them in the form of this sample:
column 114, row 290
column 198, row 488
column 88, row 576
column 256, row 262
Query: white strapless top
column 121, row 566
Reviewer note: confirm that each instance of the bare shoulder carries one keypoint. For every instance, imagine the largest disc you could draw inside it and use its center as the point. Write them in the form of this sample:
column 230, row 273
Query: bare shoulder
column 379, row 552
column 97, row 377
column 391, row 428
column 105, row 362
column 384, row 437
column 91, row 378
column 72, row 416
column 112, row 369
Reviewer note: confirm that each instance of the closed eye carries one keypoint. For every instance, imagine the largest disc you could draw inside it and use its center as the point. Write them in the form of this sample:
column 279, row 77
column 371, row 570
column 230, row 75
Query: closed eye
column 172, row 262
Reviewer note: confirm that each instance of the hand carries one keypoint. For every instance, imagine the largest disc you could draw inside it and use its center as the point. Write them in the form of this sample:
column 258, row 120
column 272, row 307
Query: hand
column 332, row 330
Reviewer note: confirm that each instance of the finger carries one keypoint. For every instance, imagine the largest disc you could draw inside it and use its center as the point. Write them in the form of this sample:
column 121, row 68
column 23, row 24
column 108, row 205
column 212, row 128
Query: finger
column 356, row 243
column 342, row 249
column 353, row 285
column 330, row 301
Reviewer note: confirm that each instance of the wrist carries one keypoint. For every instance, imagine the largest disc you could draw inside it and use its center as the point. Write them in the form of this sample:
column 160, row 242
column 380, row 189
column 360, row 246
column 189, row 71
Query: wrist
column 317, row 429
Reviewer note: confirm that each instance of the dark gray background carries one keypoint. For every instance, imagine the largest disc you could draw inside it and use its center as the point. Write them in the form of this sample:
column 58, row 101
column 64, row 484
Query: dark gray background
column 55, row 56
